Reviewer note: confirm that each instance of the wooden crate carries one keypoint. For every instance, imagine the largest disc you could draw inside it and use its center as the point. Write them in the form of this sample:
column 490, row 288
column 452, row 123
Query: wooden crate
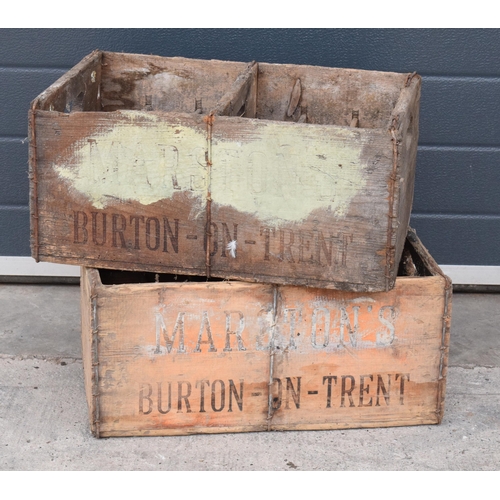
column 259, row 172
column 175, row 357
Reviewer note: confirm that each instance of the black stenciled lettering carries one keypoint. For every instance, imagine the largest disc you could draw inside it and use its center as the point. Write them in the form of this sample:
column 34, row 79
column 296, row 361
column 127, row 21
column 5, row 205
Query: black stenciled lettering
column 152, row 235
column 364, row 390
column 170, row 158
column 236, row 333
column 277, row 395
column 160, row 398
column 237, row 397
column 95, row 238
column 322, row 246
column 161, row 328
column 80, row 228
column 222, row 397
column 290, row 391
column 135, row 219
column 173, row 235
column 402, row 377
column 382, row 389
column 201, row 384
column 119, row 225
column 346, row 239
column 226, row 237
column 205, row 326
column 305, row 238
column 181, row 396
column 143, row 396
column 347, row 391
column 329, row 378
column 266, row 232
column 286, row 246
column 213, row 231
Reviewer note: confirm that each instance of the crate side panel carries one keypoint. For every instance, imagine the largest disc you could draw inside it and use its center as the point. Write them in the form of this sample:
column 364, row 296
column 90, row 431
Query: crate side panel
column 349, row 360
column 153, row 83
column 123, row 190
column 306, row 204
column 327, row 95
column 182, row 359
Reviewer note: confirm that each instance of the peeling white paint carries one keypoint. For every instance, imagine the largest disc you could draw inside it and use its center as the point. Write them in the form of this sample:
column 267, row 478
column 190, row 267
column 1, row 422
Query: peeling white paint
column 145, row 163
column 278, row 175
column 361, row 300
column 284, row 173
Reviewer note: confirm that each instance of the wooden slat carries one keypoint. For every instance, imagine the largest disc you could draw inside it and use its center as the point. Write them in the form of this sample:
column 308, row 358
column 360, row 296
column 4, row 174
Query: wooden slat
column 359, row 360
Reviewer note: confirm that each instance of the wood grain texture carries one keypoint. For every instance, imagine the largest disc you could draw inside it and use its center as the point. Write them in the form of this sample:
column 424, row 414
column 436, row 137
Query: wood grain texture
column 233, row 103
column 76, row 90
column 86, row 298
column 183, row 358
column 174, row 159
column 153, row 83
column 404, row 131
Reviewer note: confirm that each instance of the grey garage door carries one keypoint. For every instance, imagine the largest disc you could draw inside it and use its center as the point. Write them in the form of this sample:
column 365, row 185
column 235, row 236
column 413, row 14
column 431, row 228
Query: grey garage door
column 456, row 210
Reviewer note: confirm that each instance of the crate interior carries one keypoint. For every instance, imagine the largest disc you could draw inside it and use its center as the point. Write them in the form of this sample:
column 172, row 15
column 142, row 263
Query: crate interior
column 152, row 83
column 115, row 277
column 279, row 92
column 327, row 96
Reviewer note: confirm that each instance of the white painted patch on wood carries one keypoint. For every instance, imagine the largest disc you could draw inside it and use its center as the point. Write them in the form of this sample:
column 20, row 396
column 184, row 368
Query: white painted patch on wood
column 284, row 172
column 138, row 162
column 279, row 173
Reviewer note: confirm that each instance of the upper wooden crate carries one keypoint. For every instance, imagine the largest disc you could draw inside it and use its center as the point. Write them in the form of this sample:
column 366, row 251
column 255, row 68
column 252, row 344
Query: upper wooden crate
column 262, row 172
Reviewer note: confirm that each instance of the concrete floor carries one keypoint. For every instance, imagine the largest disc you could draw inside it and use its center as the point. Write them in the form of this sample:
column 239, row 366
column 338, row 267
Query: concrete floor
column 44, row 421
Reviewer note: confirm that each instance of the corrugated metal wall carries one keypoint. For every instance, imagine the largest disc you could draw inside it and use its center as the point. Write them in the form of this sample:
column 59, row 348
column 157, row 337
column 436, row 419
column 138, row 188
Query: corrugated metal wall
column 456, row 209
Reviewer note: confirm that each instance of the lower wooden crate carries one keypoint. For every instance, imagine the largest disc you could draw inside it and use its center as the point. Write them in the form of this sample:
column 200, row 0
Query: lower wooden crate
column 169, row 356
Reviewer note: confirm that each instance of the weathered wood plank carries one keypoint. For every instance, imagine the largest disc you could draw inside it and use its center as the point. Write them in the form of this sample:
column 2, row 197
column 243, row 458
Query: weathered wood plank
column 405, row 119
column 189, row 355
